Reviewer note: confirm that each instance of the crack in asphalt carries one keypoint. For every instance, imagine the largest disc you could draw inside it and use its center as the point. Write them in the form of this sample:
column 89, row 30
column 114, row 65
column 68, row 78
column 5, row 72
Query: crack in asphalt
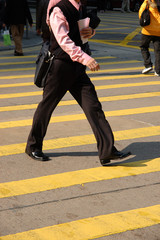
column 76, row 197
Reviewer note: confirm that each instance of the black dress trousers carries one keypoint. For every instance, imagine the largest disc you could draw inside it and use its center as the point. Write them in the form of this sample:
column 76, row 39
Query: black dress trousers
column 70, row 76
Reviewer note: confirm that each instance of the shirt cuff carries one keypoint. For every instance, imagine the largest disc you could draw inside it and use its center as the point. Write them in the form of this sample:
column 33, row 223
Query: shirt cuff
column 84, row 59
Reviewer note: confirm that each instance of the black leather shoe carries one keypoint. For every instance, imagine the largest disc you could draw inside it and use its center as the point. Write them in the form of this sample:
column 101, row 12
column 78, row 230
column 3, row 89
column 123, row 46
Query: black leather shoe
column 115, row 155
column 18, row 54
column 38, row 155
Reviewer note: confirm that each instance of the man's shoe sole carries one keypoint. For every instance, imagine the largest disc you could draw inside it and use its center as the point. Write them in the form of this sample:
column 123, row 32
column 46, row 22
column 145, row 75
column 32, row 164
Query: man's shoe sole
column 106, row 161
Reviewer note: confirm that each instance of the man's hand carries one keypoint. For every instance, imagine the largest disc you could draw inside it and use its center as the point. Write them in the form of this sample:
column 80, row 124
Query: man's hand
column 93, row 65
column 87, row 32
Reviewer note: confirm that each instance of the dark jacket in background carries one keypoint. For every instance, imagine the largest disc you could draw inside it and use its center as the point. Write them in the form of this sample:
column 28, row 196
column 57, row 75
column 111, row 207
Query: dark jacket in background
column 17, row 12
column 41, row 13
column 2, row 12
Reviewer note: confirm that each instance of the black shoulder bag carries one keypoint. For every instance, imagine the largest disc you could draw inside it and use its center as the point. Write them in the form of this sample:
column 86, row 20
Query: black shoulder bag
column 43, row 64
column 145, row 17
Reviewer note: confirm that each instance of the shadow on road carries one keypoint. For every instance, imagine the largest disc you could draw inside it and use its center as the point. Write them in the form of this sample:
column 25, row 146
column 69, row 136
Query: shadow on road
column 141, row 152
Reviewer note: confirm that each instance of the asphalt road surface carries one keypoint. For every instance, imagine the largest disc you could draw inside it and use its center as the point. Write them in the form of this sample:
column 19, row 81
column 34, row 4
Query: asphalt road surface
column 72, row 197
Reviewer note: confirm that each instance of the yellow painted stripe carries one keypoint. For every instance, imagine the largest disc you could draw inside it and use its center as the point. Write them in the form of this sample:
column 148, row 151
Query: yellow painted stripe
column 29, row 56
column 89, row 72
column 6, row 150
column 120, row 62
column 16, row 77
column 33, row 62
column 17, row 69
column 34, row 56
column 33, row 68
column 73, row 102
column 115, row 44
column 16, row 63
column 19, row 107
column 115, row 77
column 103, row 29
column 95, row 227
column 105, row 57
column 92, row 79
column 113, row 32
column 16, row 85
column 16, row 95
column 120, row 21
column 124, row 85
column 67, row 179
column 75, row 117
column 130, row 36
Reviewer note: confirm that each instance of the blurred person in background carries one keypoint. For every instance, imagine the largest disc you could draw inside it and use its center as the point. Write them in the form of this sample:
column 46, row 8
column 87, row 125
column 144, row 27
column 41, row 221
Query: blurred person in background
column 16, row 16
column 41, row 25
column 101, row 5
column 151, row 33
column 2, row 13
column 125, row 6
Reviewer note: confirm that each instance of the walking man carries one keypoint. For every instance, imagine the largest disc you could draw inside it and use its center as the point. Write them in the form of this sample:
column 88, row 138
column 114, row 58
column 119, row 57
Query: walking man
column 68, row 73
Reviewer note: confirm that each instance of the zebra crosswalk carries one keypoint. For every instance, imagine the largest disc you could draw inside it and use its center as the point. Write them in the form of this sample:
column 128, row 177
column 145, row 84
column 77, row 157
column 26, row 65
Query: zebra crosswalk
column 67, row 179
column 75, row 117
column 97, row 88
column 103, row 225
column 131, row 104
column 71, row 141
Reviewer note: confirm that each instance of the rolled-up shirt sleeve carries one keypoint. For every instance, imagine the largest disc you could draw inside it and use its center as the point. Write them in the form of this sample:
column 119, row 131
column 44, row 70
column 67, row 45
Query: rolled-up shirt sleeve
column 60, row 28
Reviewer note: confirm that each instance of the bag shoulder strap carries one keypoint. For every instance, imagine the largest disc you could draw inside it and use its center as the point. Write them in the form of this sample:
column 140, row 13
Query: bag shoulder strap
column 147, row 5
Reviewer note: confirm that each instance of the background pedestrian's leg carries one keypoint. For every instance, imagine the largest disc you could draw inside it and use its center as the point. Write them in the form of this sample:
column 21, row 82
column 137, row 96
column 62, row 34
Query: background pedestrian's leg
column 156, row 43
column 145, row 41
column 16, row 38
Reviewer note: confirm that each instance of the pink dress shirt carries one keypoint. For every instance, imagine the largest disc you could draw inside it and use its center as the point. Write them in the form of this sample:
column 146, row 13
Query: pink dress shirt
column 60, row 28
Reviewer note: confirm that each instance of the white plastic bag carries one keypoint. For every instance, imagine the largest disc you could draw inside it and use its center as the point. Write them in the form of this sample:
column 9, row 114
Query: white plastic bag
column 6, row 38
